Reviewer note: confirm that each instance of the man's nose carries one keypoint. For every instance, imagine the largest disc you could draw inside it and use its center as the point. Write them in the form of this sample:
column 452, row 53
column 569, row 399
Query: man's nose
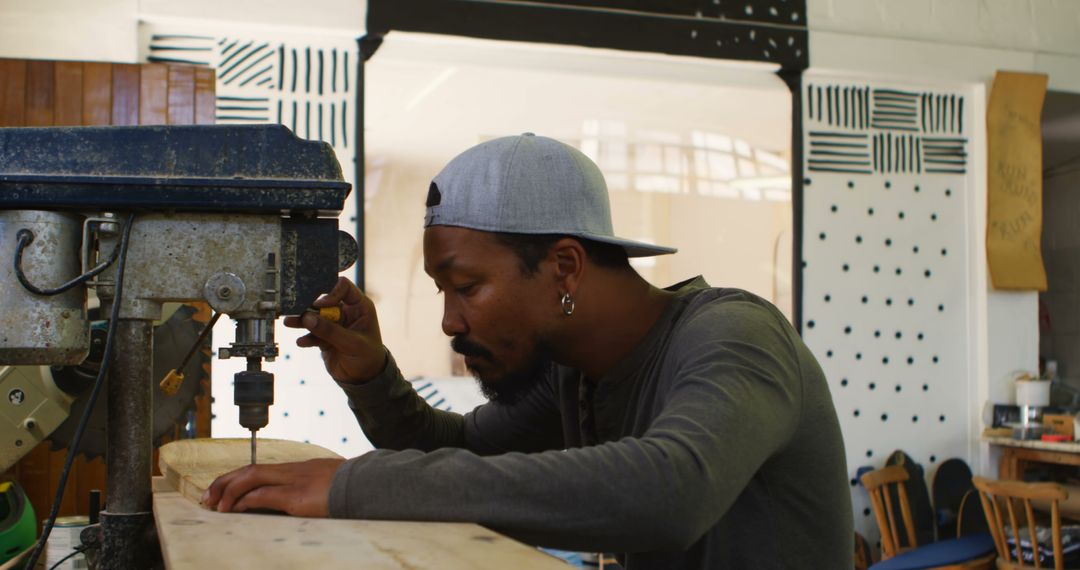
column 452, row 322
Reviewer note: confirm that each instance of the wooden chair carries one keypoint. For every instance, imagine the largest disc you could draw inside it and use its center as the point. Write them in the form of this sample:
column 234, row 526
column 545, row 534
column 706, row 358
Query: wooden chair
column 994, row 494
column 969, row 552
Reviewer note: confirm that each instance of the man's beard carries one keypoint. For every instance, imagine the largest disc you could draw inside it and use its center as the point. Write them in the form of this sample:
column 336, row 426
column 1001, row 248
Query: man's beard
column 508, row 388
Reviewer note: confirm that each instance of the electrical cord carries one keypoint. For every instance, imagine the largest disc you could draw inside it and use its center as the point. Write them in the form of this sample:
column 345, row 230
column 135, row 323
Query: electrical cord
column 78, row 550
column 26, row 237
column 98, row 382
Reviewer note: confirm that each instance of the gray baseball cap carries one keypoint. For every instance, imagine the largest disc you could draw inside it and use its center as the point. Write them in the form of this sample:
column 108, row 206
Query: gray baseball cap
column 527, row 184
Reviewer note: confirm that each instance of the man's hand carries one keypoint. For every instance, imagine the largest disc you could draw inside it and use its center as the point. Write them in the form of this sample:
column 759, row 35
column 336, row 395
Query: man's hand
column 299, row 489
column 352, row 349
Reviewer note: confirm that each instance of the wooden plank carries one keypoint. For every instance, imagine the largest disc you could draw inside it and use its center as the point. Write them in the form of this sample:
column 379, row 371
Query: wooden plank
column 190, row 465
column 196, row 538
column 181, row 95
column 40, row 93
column 205, row 96
column 154, row 94
column 12, row 93
column 125, row 94
column 97, row 93
column 69, row 93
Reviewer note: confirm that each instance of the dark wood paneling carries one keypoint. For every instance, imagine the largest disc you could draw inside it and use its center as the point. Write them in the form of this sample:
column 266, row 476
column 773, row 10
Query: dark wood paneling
column 40, row 93
column 154, row 94
column 97, row 94
column 125, row 94
column 12, row 93
column 181, row 95
column 69, row 89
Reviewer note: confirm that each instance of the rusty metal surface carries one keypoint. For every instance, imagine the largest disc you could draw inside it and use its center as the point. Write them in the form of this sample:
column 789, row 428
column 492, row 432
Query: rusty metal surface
column 35, row 329
column 173, row 256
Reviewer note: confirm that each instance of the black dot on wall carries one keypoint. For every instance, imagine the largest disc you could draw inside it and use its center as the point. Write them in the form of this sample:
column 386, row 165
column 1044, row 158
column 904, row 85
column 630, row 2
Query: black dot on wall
column 869, row 452
column 828, row 298
column 933, row 459
column 858, row 239
column 834, row 208
column 888, row 301
column 877, row 334
column 898, row 334
column 900, row 215
column 933, row 217
column 910, row 360
column 866, row 512
column 941, row 418
column 925, row 387
column 877, row 268
column 885, row 360
column 858, row 356
column 810, row 324
column 899, row 388
column 944, row 252
column 856, row 413
column 850, row 184
column 915, row 249
column 828, row 354
column 847, row 330
column 344, row 440
column 914, row 419
column 288, row 356
column 844, row 382
column 865, row 299
column 870, row 211
column 302, row 381
column 888, row 242
column 916, row 187
column 821, row 236
column 948, row 192
column 927, row 273
column 846, row 267
column 854, row 482
column 806, row 181
column 920, row 336
column 322, row 412
column 899, row 271
column 888, row 184
column 884, row 417
column 285, row 414
column 873, row 385
column 941, row 308
column 804, row 264
column 910, row 302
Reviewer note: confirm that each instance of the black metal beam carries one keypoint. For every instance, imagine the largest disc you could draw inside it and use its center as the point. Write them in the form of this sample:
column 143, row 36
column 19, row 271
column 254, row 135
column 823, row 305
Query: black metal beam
column 794, row 80
column 593, row 23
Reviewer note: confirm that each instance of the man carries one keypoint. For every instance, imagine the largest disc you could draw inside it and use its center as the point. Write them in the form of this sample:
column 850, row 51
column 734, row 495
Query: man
column 687, row 427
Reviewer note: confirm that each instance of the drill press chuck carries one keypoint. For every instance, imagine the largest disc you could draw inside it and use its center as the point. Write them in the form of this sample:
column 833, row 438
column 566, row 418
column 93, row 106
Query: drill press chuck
column 253, row 392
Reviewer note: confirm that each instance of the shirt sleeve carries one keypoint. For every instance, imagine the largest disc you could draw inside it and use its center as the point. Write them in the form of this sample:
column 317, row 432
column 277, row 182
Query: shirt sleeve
column 729, row 402
column 393, row 416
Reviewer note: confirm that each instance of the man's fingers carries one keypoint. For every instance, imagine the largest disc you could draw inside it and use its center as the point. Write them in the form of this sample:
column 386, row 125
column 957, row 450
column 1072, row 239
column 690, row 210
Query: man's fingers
column 344, row 291
column 272, row 497
column 246, row 479
column 308, row 341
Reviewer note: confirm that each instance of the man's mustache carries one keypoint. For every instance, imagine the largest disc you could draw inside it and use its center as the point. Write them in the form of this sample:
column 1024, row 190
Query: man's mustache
column 466, row 347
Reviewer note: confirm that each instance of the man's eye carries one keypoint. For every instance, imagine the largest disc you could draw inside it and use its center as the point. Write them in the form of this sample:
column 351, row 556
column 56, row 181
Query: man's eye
column 465, row 289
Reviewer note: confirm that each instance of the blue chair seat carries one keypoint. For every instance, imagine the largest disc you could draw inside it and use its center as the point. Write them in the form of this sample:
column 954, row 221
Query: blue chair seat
column 941, row 553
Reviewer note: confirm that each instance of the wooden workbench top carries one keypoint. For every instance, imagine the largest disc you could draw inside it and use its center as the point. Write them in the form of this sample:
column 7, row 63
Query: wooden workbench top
column 1060, row 446
column 196, row 538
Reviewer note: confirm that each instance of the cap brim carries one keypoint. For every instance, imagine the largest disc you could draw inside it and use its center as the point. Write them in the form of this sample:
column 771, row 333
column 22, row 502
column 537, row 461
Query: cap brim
column 633, row 248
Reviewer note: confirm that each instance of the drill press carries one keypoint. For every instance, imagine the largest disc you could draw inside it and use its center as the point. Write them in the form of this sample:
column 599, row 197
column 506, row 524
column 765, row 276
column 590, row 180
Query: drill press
column 241, row 217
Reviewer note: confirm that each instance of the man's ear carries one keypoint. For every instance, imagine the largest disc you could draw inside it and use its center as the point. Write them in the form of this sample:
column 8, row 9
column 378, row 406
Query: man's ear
column 569, row 259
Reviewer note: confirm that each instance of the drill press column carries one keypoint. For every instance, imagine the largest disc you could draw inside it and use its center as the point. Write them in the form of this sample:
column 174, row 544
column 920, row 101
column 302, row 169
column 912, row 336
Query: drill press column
column 127, row 523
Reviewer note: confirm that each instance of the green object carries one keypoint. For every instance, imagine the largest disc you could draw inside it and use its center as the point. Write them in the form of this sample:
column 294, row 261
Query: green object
column 17, row 529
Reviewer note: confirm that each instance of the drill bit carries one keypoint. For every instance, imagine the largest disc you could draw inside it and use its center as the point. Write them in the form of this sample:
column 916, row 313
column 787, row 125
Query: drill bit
column 253, row 447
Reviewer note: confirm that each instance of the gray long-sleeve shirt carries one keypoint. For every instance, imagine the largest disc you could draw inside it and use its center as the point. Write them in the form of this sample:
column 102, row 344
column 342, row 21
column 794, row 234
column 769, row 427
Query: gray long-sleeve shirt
column 715, row 444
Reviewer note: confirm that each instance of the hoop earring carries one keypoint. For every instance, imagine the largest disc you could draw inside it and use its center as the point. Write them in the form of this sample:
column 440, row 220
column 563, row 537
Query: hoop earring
column 567, row 304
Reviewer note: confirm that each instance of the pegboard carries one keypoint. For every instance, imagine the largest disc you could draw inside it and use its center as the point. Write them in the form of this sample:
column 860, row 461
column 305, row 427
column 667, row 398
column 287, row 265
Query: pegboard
column 885, row 258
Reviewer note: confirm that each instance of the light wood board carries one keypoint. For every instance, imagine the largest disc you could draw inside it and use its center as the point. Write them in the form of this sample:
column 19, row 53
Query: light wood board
column 193, row 538
column 190, row 465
